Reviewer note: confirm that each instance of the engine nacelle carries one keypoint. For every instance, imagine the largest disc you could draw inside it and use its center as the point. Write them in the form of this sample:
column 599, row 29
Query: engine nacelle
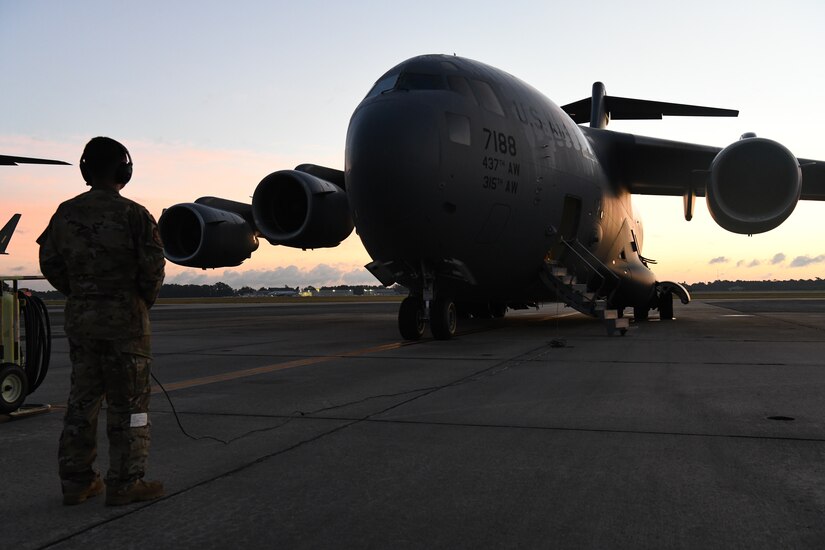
column 196, row 235
column 754, row 186
column 297, row 209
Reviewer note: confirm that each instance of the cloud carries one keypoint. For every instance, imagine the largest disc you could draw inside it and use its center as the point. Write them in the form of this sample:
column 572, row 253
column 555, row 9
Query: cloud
column 778, row 258
column 719, row 260
column 802, row 261
column 748, row 264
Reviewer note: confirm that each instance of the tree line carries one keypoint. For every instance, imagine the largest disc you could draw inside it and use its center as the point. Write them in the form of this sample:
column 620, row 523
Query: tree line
column 756, row 286
column 223, row 290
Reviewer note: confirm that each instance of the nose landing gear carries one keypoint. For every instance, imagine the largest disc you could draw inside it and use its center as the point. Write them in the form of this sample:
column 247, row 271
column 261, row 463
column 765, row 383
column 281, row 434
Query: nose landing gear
column 411, row 318
column 432, row 294
column 414, row 312
column 443, row 318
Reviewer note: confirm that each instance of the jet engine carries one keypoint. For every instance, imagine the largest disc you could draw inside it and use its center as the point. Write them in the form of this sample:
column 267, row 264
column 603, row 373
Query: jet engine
column 297, row 209
column 754, row 185
column 197, row 235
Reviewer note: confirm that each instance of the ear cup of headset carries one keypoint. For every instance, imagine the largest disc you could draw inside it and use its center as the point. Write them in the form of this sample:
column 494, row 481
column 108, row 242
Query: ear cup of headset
column 124, row 170
column 84, row 171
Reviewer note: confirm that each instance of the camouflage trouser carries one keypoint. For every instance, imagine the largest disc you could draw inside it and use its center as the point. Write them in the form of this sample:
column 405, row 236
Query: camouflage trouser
column 118, row 370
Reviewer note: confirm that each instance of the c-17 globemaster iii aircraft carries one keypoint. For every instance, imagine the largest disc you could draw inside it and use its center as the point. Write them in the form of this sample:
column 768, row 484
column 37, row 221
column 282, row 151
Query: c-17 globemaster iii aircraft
column 478, row 193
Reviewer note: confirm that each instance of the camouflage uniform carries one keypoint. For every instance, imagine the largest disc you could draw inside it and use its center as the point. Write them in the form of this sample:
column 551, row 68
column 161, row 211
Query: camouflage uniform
column 104, row 253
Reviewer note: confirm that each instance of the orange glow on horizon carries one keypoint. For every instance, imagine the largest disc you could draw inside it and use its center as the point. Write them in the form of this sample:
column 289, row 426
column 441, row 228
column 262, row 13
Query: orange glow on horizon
column 166, row 174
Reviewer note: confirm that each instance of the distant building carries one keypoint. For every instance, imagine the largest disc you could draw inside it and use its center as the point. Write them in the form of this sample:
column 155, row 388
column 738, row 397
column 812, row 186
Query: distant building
column 332, row 292
column 345, row 290
column 277, row 292
column 380, row 291
column 286, row 291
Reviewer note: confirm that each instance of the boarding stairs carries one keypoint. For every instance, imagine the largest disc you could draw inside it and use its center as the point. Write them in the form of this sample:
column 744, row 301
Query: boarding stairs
column 576, row 263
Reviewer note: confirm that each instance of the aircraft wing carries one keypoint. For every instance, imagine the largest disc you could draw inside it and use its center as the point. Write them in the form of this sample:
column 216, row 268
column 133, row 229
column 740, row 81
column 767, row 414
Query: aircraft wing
column 6, row 160
column 653, row 166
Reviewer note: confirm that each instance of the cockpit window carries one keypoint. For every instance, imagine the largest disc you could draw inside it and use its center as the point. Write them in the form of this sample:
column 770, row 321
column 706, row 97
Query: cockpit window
column 460, row 85
column 486, row 96
column 384, row 85
column 420, row 81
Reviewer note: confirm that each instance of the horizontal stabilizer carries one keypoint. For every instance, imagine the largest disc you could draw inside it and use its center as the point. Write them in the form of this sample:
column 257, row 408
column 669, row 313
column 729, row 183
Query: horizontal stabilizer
column 7, row 232
column 6, row 160
column 600, row 108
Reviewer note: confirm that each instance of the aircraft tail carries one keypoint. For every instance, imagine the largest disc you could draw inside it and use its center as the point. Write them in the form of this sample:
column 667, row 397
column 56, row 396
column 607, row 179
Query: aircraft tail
column 600, row 108
column 7, row 231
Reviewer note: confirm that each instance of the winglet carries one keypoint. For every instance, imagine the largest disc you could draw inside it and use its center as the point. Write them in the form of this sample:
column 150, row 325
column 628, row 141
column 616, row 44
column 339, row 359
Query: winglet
column 600, row 108
column 7, row 231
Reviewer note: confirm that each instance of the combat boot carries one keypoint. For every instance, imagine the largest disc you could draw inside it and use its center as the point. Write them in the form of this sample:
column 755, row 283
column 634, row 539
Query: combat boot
column 139, row 491
column 75, row 493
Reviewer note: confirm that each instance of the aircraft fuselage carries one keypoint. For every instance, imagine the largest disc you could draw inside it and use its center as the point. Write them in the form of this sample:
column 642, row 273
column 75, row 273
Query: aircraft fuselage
column 466, row 172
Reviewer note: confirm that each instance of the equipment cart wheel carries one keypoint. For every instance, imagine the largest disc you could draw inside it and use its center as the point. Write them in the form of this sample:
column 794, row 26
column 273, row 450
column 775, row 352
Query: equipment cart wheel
column 411, row 318
column 443, row 318
column 14, row 387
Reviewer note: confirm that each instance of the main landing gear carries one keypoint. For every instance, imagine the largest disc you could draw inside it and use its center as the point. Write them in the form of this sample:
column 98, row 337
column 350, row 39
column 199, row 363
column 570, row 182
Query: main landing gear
column 414, row 313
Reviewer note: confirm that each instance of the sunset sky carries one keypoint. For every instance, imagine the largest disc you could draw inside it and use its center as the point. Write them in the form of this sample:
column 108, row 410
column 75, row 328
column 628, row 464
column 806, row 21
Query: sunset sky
column 210, row 97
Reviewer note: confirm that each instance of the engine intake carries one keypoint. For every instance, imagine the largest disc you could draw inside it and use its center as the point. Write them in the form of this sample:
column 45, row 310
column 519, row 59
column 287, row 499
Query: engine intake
column 297, row 209
column 754, row 186
column 196, row 235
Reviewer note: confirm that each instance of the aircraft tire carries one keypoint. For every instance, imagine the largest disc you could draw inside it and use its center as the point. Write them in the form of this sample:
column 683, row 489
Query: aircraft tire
column 666, row 307
column 498, row 310
column 641, row 313
column 411, row 318
column 482, row 311
column 443, row 318
column 14, row 387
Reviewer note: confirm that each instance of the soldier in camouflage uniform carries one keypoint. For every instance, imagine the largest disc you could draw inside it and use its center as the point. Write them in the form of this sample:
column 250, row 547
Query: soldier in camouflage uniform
column 104, row 253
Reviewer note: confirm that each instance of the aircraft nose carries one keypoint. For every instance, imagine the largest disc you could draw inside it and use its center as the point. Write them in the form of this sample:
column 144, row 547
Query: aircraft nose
column 392, row 167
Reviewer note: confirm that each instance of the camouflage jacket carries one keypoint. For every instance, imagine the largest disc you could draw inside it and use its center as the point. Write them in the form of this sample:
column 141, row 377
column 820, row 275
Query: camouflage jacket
column 103, row 251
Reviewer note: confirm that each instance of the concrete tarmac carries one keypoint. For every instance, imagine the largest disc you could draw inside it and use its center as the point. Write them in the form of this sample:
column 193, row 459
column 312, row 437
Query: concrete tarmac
column 315, row 426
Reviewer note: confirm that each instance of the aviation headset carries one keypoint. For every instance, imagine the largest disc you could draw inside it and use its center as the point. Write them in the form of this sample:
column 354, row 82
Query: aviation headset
column 99, row 150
